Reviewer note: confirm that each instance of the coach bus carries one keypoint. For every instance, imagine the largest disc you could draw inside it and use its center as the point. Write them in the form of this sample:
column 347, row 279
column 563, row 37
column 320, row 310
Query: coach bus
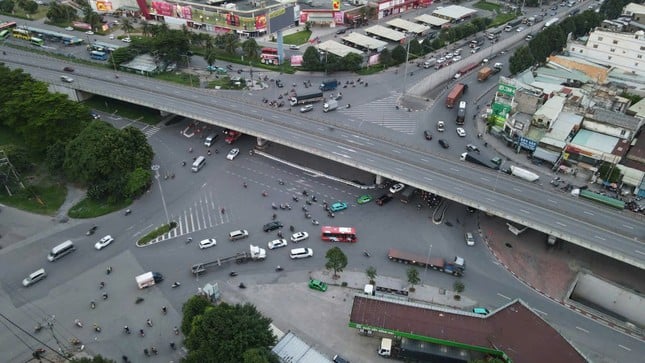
column 338, row 234
column 98, row 55
column 37, row 41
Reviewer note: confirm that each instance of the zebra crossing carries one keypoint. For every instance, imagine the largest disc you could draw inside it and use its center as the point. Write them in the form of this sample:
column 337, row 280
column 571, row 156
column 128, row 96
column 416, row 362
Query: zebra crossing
column 204, row 213
column 150, row 130
column 384, row 113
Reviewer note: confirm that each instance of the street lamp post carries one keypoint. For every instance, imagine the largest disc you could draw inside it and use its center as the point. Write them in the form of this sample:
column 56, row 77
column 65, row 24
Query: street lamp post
column 427, row 262
column 405, row 76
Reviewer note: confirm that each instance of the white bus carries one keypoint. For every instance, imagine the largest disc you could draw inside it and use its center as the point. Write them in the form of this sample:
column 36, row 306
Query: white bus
column 61, row 250
column 198, row 164
column 551, row 22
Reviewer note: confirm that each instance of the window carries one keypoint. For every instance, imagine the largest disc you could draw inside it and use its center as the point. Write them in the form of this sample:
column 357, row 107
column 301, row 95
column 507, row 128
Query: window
column 609, row 57
column 612, row 50
column 615, row 42
column 595, row 46
column 600, row 39
column 643, row 48
column 639, row 56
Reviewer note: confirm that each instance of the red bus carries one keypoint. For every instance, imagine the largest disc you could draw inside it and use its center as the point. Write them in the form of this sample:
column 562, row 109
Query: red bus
column 7, row 25
column 270, row 56
column 338, row 234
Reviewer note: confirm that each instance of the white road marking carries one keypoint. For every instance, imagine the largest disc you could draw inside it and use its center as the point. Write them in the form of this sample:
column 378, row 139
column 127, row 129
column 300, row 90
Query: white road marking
column 524, row 211
column 425, row 160
column 343, row 155
column 552, row 201
column 396, row 151
column 426, row 178
column 600, row 238
column 624, row 347
column 582, row 329
column 453, row 169
column 640, row 252
column 347, row 149
column 517, row 189
column 504, row 296
column 484, row 179
column 626, row 226
column 587, row 212
column 561, row 224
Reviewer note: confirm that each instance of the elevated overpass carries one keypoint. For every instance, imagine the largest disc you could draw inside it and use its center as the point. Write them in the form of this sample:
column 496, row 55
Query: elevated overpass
column 615, row 234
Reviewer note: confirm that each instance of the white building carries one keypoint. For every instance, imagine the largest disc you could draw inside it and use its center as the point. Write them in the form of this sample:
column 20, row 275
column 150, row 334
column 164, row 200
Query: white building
column 625, row 51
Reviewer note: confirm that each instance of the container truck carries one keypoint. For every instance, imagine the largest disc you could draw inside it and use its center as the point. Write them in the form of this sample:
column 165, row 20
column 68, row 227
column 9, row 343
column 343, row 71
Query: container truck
column 454, row 95
column 456, row 267
column 148, row 279
column 524, row 174
column 329, row 85
column 308, row 98
column 484, row 73
column 255, row 253
column 478, row 159
column 330, row 105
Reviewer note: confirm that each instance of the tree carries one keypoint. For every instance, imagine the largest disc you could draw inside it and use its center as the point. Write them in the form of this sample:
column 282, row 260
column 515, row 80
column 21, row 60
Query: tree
column 352, row 62
column 30, row 6
column 311, row 59
column 413, row 276
column 127, row 26
column 399, row 54
column 336, row 260
column 192, row 308
column 385, row 58
column 58, row 13
column 251, row 49
column 227, row 334
column 458, row 286
column 520, row 60
column 259, row 355
column 230, row 42
column 371, row 273
column 6, row 6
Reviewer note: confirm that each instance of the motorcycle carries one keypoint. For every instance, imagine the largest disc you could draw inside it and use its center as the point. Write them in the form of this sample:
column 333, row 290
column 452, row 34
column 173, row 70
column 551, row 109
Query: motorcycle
column 127, row 212
column 78, row 323
column 273, row 206
column 331, row 215
column 92, row 305
column 126, row 330
column 190, row 239
column 232, row 274
column 149, row 323
column 314, row 222
column 366, row 254
column 175, row 284
column 38, row 328
column 173, row 346
column 139, row 300
column 97, row 328
column 241, row 285
column 91, row 230
column 295, row 199
column 278, row 268
column 142, row 333
column 307, row 215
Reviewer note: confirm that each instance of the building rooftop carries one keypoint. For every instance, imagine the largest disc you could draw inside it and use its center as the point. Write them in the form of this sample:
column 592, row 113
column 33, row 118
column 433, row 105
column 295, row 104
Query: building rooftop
column 638, row 108
column 454, row 12
column 614, row 118
column 386, row 33
column 364, row 41
column 431, row 20
column 633, row 8
column 595, row 141
column 338, row 49
column 513, row 329
column 294, row 350
column 550, row 109
column 408, row 26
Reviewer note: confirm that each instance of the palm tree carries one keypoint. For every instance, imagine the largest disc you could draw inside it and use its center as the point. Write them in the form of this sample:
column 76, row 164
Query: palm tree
column 250, row 48
column 230, row 43
column 127, row 26
column 145, row 28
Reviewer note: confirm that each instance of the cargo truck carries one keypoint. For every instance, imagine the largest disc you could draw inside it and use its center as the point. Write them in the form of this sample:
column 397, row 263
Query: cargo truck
column 329, row 85
column 407, row 194
column 430, row 63
column 524, row 174
column 454, row 95
column 484, row 73
column 255, row 254
column 330, row 105
column 386, row 347
column 478, row 159
column 148, row 279
column 456, row 267
column 309, row 98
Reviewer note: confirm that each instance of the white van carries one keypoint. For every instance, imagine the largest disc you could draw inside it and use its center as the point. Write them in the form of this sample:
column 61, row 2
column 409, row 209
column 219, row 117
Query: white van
column 61, row 250
column 198, row 164
column 34, row 277
column 301, row 253
column 210, row 139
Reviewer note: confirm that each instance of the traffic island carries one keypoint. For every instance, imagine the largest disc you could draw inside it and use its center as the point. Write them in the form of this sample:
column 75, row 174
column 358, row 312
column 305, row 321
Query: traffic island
column 152, row 236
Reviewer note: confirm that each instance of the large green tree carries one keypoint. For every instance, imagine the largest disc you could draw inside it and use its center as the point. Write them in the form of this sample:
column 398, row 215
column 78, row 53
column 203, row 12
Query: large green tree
column 336, row 260
column 60, row 14
column 251, row 49
column 311, row 59
column 228, row 334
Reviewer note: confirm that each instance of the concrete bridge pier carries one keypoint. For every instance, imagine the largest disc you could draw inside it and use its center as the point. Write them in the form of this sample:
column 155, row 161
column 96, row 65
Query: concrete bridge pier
column 378, row 180
column 261, row 143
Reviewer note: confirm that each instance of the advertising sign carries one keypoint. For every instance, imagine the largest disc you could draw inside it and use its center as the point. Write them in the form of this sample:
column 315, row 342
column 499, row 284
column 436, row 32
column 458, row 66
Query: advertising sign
column 232, row 19
column 304, row 17
column 339, row 18
column 104, row 6
column 260, row 22
column 507, row 90
column 335, row 5
column 175, row 11
column 81, row 25
column 162, row 8
column 528, row 144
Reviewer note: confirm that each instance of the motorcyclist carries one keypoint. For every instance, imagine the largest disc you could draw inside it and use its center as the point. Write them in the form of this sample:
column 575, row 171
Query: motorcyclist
column 164, row 310
column 126, row 329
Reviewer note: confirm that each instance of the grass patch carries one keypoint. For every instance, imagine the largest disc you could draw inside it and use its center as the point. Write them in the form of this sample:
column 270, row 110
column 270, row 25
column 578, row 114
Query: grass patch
column 487, row 6
column 370, row 70
column 185, row 79
column 124, row 109
column 156, row 233
column 41, row 197
column 225, row 83
column 88, row 208
column 502, row 19
column 298, row 38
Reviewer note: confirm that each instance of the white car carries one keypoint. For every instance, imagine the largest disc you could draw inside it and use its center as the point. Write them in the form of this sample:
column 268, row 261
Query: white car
column 89, row 32
column 306, row 108
column 205, row 243
column 127, row 40
column 520, row 29
column 69, row 28
column 233, row 153
column 470, row 240
column 277, row 243
column 294, row 47
column 456, row 58
column 103, row 242
column 449, row 55
column 461, row 132
column 111, row 36
column 397, row 188
column 299, row 236
column 441, row 60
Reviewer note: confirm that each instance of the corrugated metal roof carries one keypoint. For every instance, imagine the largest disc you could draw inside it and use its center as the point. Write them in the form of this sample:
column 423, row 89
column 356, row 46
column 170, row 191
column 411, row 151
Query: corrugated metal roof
column 431, row 20
column 455, row 12
column 291, row 349
column 387, row 33
column 595, row 141
column 338, row 49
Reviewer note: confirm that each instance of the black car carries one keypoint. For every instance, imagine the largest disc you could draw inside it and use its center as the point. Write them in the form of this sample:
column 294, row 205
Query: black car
column 383, row 199
column 279, row 83
column 444, row 143
column 272, row 226
column 341, row 31
column 427, row 134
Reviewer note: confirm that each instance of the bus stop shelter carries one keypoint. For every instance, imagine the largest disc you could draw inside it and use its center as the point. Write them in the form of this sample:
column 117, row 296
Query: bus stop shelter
column 408, row 26
column 432, row 21
column 385, row 33
column 336, row 48
column 364, row 42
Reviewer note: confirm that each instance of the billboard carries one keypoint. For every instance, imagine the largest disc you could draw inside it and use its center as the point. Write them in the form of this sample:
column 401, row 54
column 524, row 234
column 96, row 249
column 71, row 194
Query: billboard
column 176, row 11
column 261, row 22
column 506, row 89
column 335, row 5
column 103, row 6
column 280, row 19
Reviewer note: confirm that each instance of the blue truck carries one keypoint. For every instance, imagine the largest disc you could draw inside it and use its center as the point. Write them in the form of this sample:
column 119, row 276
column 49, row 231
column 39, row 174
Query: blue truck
column 329, row 85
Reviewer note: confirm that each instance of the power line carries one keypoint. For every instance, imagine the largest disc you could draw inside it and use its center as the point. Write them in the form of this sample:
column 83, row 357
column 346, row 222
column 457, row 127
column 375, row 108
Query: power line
column 31, row 336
